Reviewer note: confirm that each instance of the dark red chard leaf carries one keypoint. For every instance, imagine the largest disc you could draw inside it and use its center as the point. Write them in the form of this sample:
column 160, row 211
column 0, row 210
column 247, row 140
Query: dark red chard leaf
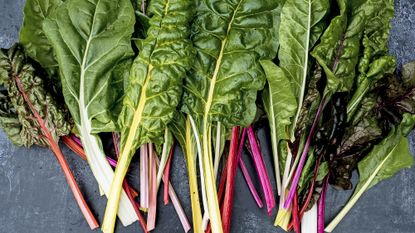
column 311, row 101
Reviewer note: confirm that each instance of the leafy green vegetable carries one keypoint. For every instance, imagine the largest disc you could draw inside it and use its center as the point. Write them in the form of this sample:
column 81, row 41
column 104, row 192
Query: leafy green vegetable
column 29, row 114
column 298, row 22
column 381, row 108
column 339, row 49
column 230, row 38
column 386, row 159
column 32, row 36
column 280, row 105
column 154, row 87
column 22, row 82
column 88, row 50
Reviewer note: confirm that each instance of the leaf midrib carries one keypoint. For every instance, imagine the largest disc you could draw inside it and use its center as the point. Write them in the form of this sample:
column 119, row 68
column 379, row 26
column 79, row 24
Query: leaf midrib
column 214, row 77
column 305, row 70
column 82, row 107
column 138, row 113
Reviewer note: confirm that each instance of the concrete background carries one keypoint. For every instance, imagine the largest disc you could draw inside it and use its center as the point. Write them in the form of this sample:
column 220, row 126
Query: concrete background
column 35, row 198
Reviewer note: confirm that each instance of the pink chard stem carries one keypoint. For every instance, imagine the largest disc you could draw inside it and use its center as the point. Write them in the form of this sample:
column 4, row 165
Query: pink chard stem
column 261, row 170
column 176, row 203
column 321, row 206
column 250, row 184
column 166, row 176
column 245, row 172
column 303, row 157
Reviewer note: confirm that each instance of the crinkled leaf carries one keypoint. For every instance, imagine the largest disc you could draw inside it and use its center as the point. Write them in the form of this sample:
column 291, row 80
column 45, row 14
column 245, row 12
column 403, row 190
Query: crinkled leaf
column 279, row 100
column 29, row 108
column 380, row 68
column 9, row 121
column 230, row 37
column 155, row 82
column 311, row 102
column 339, row 50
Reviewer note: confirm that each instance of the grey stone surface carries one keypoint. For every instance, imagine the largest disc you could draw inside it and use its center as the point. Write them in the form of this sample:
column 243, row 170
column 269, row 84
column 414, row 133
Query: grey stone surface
column 34, row 196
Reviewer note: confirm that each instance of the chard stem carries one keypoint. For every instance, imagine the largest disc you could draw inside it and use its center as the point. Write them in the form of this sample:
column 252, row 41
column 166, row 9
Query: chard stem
column 218, row 155
column 164, row 157
column 261, row 170
column 166, row 176
column 192, row 170
column 176, row 203
column 210, row 183
column 201, row 171
column 144, row 176
column 230, row 180
column 152, row 205
column 304, row 154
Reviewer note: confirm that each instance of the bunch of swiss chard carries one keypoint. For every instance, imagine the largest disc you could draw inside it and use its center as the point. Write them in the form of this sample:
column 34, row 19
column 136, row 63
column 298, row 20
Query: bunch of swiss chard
column 335, row 104
column 207, row 74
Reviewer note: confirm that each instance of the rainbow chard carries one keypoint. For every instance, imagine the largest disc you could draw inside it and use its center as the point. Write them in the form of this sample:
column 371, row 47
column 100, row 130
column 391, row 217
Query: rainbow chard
column 387, row 158
column 339, row 54
column 30, row 115
column 226, row 74
column 300, row 27
column 89, row 52
column 154, row 88
column 182, row 131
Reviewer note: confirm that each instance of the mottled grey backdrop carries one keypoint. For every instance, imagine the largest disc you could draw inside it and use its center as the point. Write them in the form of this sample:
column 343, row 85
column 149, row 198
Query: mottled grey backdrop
column 34, row 196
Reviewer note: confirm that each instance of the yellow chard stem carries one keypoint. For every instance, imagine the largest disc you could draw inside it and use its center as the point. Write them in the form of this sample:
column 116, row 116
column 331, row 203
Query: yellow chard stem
column 194, row 192
column 113, row 199
column 212, row 197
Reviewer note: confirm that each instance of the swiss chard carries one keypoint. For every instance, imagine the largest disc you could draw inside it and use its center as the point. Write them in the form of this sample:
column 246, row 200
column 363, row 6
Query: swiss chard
column 226, row 74
column 30, row 115
column 154, row 87
column 387, row 158
column 88, row 51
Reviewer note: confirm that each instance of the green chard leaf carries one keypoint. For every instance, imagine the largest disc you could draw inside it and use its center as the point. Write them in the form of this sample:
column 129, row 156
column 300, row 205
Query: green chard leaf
column 155, row 80
column 226, row 74
column 33, row 37
column 29, row 113
column 230, row 38
column 385, row 160
column 154, row 87
column 280, row 105
column 91, row 39
column 339, row 50
column 300, row 28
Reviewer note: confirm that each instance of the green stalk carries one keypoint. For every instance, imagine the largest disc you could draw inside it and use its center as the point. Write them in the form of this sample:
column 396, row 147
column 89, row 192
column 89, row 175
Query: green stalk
column 357, row 195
